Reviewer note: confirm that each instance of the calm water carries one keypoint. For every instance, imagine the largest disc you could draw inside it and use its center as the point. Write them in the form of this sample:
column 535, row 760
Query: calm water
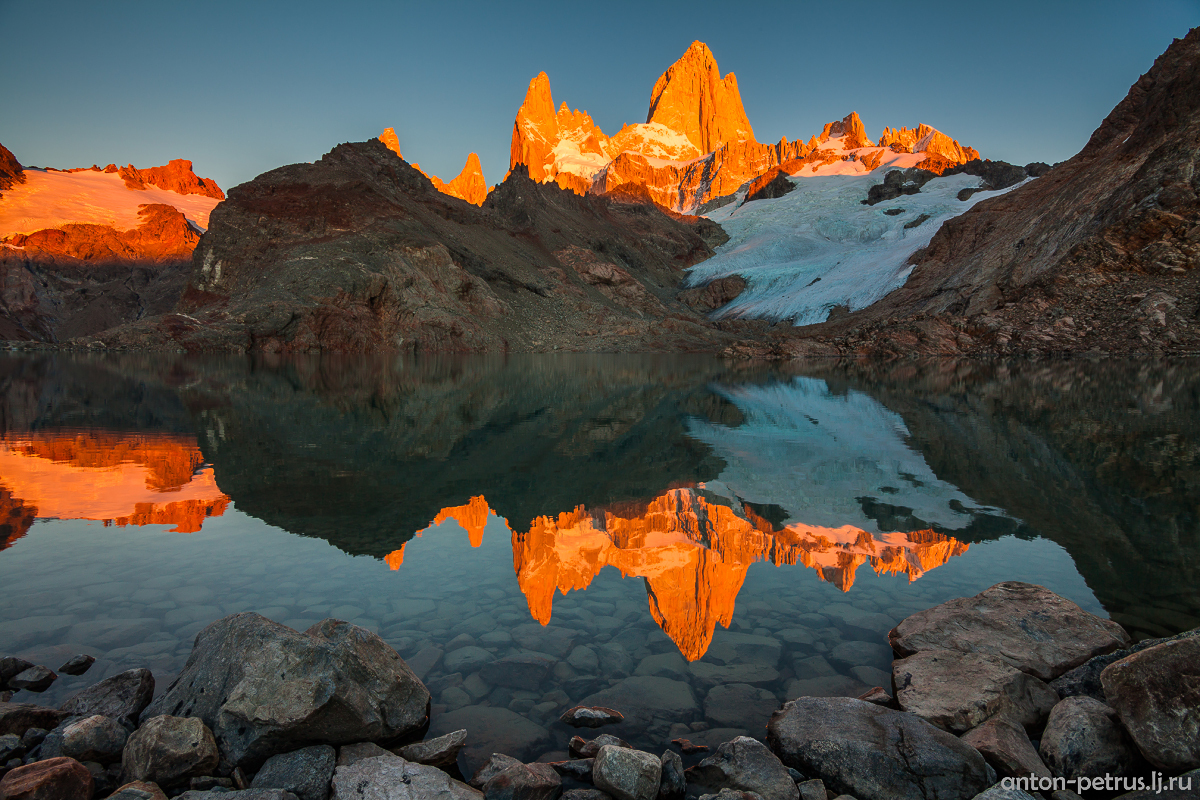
column 689, row 540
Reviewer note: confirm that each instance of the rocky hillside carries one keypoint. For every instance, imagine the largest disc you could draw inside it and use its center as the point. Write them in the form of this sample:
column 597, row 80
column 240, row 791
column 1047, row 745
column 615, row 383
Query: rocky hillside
column 1099, row 254
column 359, row 252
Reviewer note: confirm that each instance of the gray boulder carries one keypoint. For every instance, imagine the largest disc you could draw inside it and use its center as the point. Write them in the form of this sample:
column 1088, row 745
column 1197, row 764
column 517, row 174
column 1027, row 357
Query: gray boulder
column 588, row 748
column 958, row 691
column 34, row 679
column 495, row 764
column 168, row 750
column 672, row 785
column 123, row 697
column 264, row 688
column 745, row 764
column 1026, row 626
column 524, row 782
column 812, row 790
column 1085, row 679
column 1083, row 738
column 875, row 753
column 1005, row 745
column 77, row 665
column 11, row 667
column 305, row 773
column 439, row 752
column 627, row 774
column 96, row 738
column 1157, row 696
column 359, row 751
column 393, row 778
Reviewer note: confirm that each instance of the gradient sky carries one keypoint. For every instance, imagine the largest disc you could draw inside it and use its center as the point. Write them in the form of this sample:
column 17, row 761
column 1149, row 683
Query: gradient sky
column 243, row 87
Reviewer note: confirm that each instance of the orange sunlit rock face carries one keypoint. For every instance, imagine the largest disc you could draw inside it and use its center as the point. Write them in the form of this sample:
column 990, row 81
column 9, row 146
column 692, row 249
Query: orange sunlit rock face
column 693, row 550
column 468, row 185
column 114, row 477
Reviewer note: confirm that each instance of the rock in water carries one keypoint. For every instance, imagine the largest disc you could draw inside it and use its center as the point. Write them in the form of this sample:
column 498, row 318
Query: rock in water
column 491, row 768
column 627, row 774
column 1026, row 626
column 958, row 691
column 34, row 679
column 588, row 748
column 305, row 773
column 169, row 750
column 393, row 778
column 264, row 688
column 439, row 752
column 53, row 779
column 123, row 697
column 745, row 764
column 77, row 665
column 11, row 667
column 875, row 753
column 590, row 717
column 1156, row 693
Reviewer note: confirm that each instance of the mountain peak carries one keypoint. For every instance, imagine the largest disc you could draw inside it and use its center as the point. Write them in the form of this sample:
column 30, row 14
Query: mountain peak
column 692, row 98
column 391, row 141
column 850, row 128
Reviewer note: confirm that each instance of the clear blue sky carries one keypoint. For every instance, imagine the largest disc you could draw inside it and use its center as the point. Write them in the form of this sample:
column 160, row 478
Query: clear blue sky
column 243, row 87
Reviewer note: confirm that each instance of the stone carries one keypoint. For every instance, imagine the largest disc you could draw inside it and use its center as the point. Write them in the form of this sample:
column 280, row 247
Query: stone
column 588, row 748
column 138, row 790
column 738, row 704
column 998, row 792
column 664, row 665
column 748, row 765
column 305, row 773
column 590, row 717
column 626, row 774
column 169, row 750
column 584, row 659
column 425, row 660
column 34, row 679
column 20, row 717
column 264, row 688
column 393, row 778
column 875, row 753
column 11, row 667
column 1006, row 747
column 812, row 790
column 518, row 671
column 495, row 764
column 1028, row 627
column 244, row 794
column 77, row 665
column 524, row 782
column 466, row 659
column 440, row 752
column 33, row 737
column 730, row 647
column 1156, row 694
column 832, row 686
column 1084, row 739
column 877, row 695
column 871, row 676
column 578, row 768
column 53, row 779
column 1085, row 679
column 732, row 794
column 123, row 697
column 95, row 738
column 672, row 784
column 549, row 639
column 353, row 753
column 10, row 748
column 812, row 667
column 492, row 730
column 957, row 691
column 687, row 747
column 706, row 675
column 645, row 700
column 585, row 794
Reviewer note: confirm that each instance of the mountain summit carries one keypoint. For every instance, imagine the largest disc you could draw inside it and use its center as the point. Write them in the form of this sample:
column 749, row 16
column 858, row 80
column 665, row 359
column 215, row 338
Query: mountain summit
column 692, row 98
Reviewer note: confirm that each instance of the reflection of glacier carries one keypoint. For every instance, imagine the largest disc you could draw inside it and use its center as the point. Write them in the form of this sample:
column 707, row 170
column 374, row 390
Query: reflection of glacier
column 815, row 452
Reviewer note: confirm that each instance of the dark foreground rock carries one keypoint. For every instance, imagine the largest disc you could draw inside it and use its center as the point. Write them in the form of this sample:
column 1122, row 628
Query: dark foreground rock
column 1028, row 627
column 1085, row 679
column 439, row 752
column 17, row 718
column 305, row 773
column 875, row 753
column 169, row 750
column 123, row 697
column 264, row 688
column 54, row 779
column 77, row 665
column 393, row 778
column 627, row 774
column 1007, row 748
column 745, row 764
column 1084, row 739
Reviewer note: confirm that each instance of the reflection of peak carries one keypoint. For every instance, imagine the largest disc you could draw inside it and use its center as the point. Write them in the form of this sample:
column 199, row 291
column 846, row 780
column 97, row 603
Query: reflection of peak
column 472, row 517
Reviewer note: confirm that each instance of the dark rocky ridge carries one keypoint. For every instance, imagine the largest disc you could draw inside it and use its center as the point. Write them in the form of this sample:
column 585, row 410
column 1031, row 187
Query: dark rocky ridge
column 10, row 169
column 359, row 252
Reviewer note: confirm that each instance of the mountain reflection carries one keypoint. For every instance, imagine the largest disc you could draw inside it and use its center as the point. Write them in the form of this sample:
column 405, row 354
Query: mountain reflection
column 114, row 477
column 693, row 547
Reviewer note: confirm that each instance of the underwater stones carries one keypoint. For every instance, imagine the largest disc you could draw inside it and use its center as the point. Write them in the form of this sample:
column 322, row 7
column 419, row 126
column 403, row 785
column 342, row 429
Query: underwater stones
column 518, row 670
column 731, row 704
column 646, row 700
column 492, row 730
column 551, row 639
column 466, row 659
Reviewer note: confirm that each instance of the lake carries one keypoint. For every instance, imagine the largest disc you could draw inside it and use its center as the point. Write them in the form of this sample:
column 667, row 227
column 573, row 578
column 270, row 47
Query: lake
column 690, row 540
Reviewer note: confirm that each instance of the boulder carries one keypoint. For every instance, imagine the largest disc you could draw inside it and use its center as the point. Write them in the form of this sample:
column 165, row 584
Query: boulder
column 96, row 738
column 738, row 704
column 169, row 750
column 672, row 784
column 590, row 717
column 524, row 782
column 958, row 691
column 585, row 794
column 33, row 679
column 11, row 667
column 877, row 695
column 1026, row 626
column 439, row 752
column 812, row 790
column 393, row 778
column 1156, row 693
column 138, row 790
column 10, row 748
column 588, row 748
column 492, row 730
column 519, row 670
column 123, row 697
column 245, row 794
column 627, row 774
column 19, row 717
column 1006, row 747
column 1084, row 739
column 77, row 665
column 578, row 768
column 306, row 772
column 53, row 779
column 745, row 764
column 264, row 688
column 359, row 751
column 731, row 794
column 875, row 753
column 1085, row 679
column 496, row 763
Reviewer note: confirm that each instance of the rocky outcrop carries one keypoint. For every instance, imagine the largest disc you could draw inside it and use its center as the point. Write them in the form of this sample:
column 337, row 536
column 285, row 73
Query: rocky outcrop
column 176, row 176
column 468, row 185
column 692, row 98
column 11, row 171
column 849, row 130
column 358, row 252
